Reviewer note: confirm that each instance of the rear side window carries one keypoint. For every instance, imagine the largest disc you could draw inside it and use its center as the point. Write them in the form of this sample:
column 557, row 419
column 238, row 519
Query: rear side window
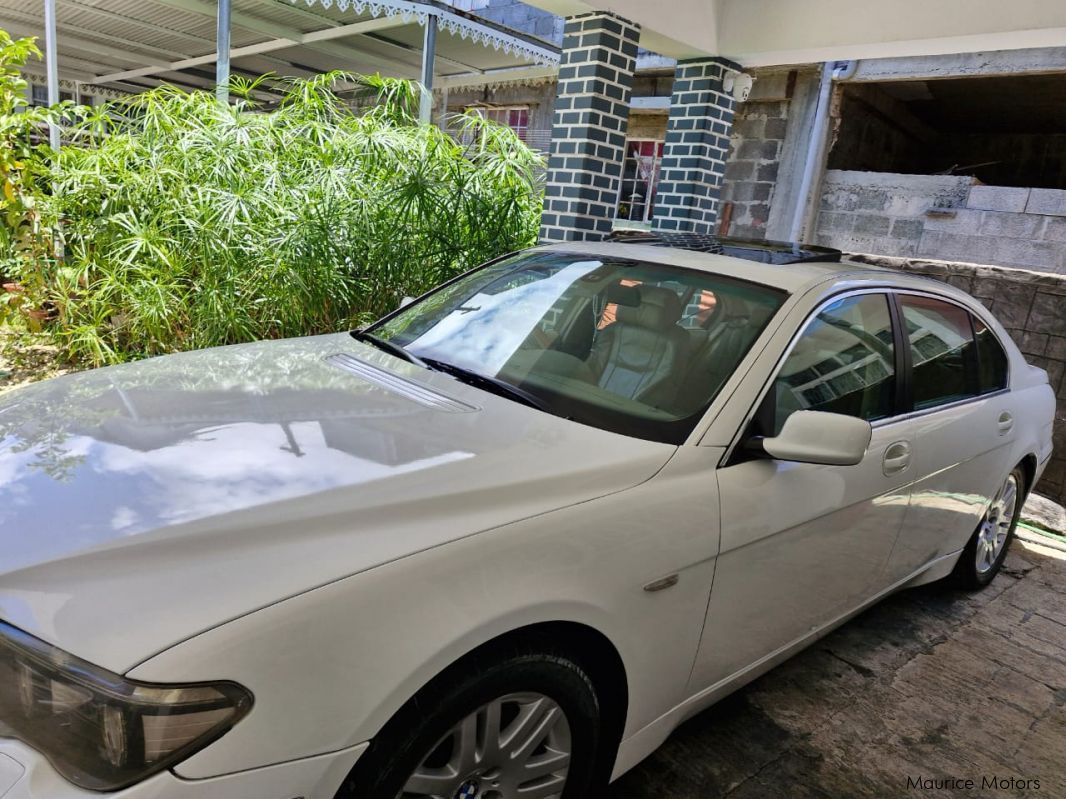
column 942, row 351
column 991, row 359
column 844, row 362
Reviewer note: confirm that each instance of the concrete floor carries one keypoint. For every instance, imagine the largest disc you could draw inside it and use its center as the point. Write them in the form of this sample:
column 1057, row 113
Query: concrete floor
column 930, row 684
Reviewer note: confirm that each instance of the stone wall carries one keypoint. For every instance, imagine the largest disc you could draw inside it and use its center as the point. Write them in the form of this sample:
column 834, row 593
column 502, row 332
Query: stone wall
column 944, row 217
column 1032, row 306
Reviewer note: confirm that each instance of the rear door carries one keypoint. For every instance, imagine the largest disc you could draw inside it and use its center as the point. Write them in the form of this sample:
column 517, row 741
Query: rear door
column 803, row 544
column 964, row 417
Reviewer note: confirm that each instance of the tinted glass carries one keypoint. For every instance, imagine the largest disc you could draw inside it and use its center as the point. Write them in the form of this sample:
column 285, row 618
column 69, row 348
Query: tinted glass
column 942, row 349
column 844, row 362
column 628, row 346
column 991, row 357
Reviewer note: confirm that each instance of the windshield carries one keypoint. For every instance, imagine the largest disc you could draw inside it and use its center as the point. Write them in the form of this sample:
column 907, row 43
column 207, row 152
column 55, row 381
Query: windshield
column 632, row 347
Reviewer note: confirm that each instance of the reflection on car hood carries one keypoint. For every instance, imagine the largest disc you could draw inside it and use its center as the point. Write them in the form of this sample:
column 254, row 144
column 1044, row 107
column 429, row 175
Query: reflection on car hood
column 144, row 503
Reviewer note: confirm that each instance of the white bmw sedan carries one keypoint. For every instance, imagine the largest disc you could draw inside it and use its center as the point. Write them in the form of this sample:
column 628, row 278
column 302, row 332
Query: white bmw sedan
column 499, row 544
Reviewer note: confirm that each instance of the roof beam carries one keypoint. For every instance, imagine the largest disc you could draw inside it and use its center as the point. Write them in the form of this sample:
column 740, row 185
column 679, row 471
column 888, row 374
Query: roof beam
column 75, row 75
column 268, row 46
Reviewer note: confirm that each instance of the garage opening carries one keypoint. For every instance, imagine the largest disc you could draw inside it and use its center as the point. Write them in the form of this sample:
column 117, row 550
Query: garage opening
column 1003, row 131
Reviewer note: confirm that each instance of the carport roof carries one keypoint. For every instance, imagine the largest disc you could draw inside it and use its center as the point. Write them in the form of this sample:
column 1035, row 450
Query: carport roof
column 131, row 45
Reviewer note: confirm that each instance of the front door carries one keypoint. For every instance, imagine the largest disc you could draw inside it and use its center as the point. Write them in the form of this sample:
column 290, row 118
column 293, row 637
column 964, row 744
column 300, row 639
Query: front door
column 802, row 544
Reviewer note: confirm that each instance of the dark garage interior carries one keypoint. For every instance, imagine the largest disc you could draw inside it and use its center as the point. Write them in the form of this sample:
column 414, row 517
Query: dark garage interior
column 1004, row 131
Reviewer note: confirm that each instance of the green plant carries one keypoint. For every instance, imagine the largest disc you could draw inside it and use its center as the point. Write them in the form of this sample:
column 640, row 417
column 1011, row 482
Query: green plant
column 188, row 223
column 26, row 244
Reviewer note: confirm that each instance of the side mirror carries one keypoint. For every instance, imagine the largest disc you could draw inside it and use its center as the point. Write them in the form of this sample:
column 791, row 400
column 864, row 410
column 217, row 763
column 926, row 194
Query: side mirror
column 406, row 301
column 830, row 439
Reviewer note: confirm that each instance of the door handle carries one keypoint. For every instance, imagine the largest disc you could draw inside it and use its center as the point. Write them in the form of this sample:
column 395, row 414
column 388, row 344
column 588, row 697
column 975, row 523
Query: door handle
column 897, row 458
column 1005, row 423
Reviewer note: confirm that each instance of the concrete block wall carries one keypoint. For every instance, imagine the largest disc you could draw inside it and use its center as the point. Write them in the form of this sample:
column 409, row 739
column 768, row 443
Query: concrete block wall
column 753, row 165
column 943, row 217
column 1032, row 306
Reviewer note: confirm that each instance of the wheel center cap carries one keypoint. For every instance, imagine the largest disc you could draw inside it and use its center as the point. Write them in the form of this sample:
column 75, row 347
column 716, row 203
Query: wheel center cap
column 469, row 789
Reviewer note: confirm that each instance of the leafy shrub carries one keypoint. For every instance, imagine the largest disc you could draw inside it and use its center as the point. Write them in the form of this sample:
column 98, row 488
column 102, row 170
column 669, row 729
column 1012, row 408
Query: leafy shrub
column 26, row 244
column 190, row 224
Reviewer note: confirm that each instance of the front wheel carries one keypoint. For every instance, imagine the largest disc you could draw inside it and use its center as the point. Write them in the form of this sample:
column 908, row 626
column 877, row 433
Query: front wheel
column 527, row 726
column 983, row 556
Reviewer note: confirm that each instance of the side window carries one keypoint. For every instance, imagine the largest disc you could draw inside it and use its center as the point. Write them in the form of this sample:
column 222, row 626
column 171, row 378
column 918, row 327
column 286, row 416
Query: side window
column 991, row 358
column 844, row 362
column 942, row 351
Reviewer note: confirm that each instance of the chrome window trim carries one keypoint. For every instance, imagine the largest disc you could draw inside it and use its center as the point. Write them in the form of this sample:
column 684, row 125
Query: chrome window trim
column 888, row 420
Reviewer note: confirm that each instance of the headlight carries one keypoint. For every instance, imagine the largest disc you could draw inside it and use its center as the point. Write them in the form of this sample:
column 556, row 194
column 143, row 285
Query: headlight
column 99, row 730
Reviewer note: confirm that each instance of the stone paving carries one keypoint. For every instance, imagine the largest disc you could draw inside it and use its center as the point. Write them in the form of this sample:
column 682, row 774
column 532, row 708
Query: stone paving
column 931, row 684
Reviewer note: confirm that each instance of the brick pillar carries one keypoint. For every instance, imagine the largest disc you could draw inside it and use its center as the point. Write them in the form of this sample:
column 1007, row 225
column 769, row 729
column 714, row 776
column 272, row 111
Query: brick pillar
column 697, row 141
column 589, row 127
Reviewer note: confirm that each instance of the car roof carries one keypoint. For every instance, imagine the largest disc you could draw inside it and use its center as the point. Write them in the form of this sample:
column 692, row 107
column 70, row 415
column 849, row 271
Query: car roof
column 791, row 277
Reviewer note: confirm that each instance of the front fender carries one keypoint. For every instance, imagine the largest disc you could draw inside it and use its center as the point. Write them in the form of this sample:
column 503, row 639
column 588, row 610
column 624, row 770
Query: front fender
column 328, row 668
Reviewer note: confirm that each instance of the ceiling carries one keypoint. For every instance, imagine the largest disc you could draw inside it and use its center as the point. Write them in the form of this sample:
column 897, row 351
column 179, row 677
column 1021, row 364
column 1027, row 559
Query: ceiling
column 777, row 32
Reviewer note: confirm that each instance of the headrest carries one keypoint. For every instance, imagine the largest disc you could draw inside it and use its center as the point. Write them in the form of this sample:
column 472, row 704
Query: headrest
column 659, row 309
column 620, row 294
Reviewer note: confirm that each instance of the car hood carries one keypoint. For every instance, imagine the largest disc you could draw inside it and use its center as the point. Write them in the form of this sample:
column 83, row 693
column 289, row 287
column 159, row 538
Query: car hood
column 145, row 503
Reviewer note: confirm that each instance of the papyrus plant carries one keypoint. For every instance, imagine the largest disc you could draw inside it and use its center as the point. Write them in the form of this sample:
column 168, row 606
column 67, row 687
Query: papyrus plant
column 188, row 223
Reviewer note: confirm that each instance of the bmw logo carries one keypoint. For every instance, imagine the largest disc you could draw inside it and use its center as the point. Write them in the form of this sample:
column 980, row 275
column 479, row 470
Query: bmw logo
column 468, row 790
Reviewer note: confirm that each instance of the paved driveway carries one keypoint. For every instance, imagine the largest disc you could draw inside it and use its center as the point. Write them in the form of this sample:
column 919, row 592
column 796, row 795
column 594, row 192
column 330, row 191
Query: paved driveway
column 930, row 684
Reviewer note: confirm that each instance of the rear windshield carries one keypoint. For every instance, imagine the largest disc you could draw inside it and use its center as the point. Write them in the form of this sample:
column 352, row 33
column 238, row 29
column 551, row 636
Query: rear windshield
column 627, row 346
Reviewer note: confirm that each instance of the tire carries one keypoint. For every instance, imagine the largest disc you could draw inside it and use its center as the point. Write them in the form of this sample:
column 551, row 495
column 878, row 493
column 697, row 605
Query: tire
column 986, row 550
column 545, row 704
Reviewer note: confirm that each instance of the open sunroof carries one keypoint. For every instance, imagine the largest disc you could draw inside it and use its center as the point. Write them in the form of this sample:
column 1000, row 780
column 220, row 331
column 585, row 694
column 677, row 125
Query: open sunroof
column 766, row 252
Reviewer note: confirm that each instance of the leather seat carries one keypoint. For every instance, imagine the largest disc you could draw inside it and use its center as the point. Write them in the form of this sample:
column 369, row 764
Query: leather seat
column 641, row 355
column 726, row 341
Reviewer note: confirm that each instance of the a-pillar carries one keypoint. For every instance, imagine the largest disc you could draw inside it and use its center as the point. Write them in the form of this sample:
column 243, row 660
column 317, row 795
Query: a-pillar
column 697, row 141
column 589, row 127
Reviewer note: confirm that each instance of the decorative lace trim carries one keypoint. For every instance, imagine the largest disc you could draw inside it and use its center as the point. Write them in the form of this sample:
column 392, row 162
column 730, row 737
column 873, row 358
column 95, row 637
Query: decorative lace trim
column 452, row 23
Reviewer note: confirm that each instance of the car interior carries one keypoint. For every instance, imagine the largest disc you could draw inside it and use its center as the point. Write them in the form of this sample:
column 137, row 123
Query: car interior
column 665, row 346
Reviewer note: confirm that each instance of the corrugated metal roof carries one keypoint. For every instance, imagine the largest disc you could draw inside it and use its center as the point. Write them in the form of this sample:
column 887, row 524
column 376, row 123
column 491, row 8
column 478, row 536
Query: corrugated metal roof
column 132, row 44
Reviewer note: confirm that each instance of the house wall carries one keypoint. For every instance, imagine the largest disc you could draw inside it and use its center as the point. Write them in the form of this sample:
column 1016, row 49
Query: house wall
column 943, row 217
column 1031, row 306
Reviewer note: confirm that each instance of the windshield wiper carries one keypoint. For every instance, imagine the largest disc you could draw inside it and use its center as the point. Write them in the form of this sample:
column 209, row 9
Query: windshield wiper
column 493, row 384
column 387, row 346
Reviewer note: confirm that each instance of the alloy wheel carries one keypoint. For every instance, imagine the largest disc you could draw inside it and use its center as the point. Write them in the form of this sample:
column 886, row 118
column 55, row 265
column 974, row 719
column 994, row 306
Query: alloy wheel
column 996, row 527
column 518, row 745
